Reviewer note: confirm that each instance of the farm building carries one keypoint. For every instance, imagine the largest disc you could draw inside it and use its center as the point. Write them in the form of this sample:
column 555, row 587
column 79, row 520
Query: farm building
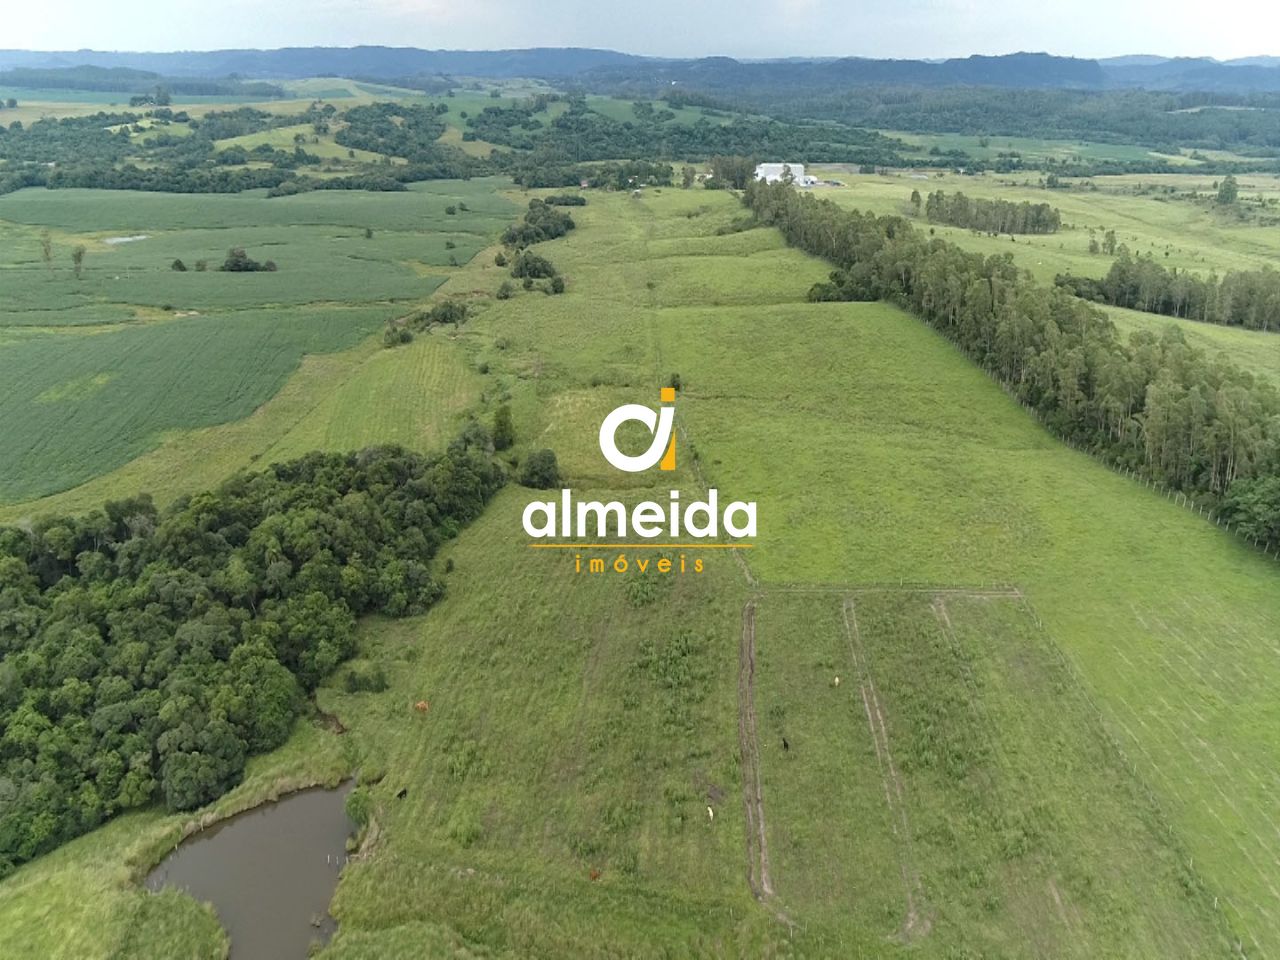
column 776, row 172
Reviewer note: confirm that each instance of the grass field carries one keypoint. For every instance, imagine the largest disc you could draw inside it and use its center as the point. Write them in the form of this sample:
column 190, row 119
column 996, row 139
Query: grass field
column 902, row 462
column 133, row 355
column 282, row 138
column 1054, row 744
column 1255, row 350
column 1176, row 232
column 971, row 833
column 1031, row 148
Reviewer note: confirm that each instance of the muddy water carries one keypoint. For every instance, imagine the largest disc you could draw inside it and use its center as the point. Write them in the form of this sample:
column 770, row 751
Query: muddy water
column 269, row 872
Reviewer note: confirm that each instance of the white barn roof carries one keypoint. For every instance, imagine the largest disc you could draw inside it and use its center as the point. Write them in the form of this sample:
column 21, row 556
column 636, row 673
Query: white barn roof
column 773, row 172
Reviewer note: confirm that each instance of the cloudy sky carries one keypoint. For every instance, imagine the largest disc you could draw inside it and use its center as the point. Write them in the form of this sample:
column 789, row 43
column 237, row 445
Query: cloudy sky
column 682, row 28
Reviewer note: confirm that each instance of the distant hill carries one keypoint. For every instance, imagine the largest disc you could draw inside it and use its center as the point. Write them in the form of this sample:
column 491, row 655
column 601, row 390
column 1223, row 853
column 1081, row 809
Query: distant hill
column 1197, row 73
column 1254, row 62
column 1133, row 60
column 129, row 80
column 724, row 75
column 625, row 71
column 297, row 62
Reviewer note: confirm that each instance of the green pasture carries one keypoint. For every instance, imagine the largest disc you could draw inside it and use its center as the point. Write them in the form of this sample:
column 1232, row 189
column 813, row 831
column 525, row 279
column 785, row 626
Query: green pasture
column 1074, row 678
column 1254, row 350
column 1031, row 148
column 282, row 138
column 1172, row 229
column 987, row 825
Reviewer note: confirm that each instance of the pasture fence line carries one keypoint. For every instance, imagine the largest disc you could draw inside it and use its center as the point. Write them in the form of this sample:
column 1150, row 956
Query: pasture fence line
column 1172, row 494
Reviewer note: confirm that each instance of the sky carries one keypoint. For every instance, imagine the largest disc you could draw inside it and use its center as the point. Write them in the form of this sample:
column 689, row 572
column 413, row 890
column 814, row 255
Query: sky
column 676, row 28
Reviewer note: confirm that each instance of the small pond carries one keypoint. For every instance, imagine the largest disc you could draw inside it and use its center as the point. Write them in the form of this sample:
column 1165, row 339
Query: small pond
column 270, row 872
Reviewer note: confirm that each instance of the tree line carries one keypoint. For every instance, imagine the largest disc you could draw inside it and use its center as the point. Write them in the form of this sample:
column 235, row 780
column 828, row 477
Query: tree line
column 145, row 654
column 542, row 221
column 1166, row 121
column 989, row 216
column 1241, row 298
column 1152, row 404
column 581, row 134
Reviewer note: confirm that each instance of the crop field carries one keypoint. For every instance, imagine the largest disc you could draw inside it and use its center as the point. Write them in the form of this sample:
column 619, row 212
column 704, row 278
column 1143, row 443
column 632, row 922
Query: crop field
column 99, row 368
column 78, row 405
column 1058, row 694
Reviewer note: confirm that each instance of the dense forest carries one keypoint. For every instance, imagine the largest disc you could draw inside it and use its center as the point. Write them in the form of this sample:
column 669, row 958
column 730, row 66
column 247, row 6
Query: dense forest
column 1168, row 121
column 1242, row 298
column 395, row 130
column 147, row 653
column 1153, row 404
column 989, row 216
column 1164, row 121
column 581, row 134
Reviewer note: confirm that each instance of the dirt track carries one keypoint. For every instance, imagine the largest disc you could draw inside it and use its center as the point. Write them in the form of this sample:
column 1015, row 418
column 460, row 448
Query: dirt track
column 916, row 923
column 749, row 746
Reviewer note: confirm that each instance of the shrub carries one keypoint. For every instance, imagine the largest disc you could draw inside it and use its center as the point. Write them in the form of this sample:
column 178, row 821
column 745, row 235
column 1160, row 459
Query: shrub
column 500, row 260
column 557, row 284
column 240, row 262
column 540, row 470
column 179, row 266
column 504, row 430
column 532, row 266
column 395, row 335
column 359, row 806
column 506, row 290
column 365, row 680
column 451, row 311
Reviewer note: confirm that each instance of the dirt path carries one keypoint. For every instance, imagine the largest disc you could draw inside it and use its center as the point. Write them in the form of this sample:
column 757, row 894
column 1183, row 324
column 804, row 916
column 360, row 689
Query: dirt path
column 916, row 923
column 749, row 745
